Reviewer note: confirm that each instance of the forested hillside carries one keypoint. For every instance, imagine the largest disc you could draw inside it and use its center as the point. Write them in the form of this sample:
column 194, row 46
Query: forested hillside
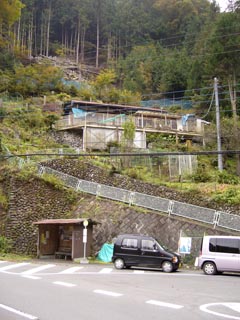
column 125, row 51
column 155, row 46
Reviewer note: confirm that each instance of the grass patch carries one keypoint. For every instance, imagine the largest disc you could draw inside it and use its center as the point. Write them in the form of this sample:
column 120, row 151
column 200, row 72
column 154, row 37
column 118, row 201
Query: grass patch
column 14, row 257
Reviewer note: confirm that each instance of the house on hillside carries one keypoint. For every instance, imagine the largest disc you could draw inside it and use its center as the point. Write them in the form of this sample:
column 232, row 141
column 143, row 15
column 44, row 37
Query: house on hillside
column 97, row 124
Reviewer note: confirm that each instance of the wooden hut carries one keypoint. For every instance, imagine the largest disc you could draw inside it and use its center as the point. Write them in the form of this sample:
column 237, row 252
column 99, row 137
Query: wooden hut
column 64, row 238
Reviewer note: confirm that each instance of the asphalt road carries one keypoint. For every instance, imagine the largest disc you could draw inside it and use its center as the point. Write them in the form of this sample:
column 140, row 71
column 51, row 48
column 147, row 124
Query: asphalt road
column 67, row 291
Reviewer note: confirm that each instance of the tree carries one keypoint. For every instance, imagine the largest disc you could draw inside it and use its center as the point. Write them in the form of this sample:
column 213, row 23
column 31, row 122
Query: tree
column 9, row 13
column 104, row 81
column 224, row 61
column 141, row 70
column 36, row 80
column 129, row 129
column 175, row 73
column 129, row 132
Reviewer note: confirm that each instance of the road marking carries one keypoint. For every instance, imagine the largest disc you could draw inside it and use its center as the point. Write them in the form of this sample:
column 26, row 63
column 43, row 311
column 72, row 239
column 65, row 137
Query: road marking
column 31, row 277
column 108, row 293
column 231, row 305
column 138, row 272
column 20, row 313
column 65, row 284
column 164, row 304
column 37, row 269
column 2, row 261
column 106, row 270
column 70, row 270
column 16, row 265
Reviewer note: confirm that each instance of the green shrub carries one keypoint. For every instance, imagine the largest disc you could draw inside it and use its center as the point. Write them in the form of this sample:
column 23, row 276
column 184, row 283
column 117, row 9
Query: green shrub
column 112, row 144
column 227, row 178
column 201, row 175
column 5, row 245
column 230, row 196
column 3, row 200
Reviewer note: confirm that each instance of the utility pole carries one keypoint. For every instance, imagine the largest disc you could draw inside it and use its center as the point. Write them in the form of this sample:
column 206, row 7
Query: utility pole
column 219, row 147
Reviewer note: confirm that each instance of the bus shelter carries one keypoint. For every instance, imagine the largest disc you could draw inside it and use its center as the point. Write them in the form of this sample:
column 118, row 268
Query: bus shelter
column 64, row 238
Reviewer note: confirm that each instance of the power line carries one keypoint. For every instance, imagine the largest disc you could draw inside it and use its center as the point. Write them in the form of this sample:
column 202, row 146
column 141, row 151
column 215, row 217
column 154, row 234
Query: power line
column 150, row 154
column 227, row 35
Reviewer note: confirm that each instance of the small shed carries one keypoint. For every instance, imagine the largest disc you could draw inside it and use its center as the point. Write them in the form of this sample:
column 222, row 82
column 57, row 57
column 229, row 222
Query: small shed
column 64, row 238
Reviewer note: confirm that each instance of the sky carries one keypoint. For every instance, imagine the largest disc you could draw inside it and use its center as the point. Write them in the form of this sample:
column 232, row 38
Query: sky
column 223, row 4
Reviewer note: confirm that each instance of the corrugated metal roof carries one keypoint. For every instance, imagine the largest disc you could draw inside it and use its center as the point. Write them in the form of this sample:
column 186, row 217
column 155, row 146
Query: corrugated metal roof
column 101, row 107
column 62, row 221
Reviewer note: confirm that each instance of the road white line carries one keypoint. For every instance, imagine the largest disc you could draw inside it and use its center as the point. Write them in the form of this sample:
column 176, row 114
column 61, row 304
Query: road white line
column 230, row 305
column 70, row 270
column 164, row 304
column 31, row 277
column 233, row 305
column 15, row 265
column 106, row 270
column 20, row 313
column 37, row 269
column 2, row 261
column 108, row 293
column 138, row 271
column 65, row 284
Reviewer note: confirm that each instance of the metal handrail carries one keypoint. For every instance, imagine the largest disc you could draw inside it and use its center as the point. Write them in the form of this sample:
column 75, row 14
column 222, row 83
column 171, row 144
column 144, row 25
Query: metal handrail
column 170, row 207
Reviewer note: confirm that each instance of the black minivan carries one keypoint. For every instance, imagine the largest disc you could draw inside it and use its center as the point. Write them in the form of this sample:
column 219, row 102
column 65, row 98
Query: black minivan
column 139, row 250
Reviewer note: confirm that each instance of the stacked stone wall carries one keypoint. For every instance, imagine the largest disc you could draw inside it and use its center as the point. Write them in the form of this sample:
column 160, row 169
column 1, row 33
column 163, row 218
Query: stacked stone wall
column 33, row 200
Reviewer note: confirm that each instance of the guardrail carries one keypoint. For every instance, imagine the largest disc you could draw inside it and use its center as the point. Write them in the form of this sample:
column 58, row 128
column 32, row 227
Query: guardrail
column 170, row 207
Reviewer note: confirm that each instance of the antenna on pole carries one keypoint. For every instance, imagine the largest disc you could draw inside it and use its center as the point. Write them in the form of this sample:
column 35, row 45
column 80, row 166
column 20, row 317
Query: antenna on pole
column 219, row 147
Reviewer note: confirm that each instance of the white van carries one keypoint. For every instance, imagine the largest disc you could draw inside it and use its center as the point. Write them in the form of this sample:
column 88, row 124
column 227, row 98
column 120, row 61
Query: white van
column 219, row 254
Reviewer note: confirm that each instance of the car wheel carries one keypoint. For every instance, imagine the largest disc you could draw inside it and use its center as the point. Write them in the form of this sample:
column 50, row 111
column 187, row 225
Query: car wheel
column 119, row 263
column 209, row 268
column 167, row 266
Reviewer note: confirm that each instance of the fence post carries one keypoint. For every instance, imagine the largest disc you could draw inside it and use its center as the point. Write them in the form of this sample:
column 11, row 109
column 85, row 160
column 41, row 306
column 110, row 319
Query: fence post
column 41, row 170
column 216, row 218
column 170, row 207
column 78, row 186
column 131, row 198
column 98, row 191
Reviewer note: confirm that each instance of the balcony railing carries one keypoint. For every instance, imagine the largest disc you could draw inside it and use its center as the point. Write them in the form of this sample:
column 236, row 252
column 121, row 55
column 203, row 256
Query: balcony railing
column 164, row 123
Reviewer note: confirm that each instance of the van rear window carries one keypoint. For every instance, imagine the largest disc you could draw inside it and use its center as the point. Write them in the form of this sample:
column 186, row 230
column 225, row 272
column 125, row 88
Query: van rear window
column 224, row 245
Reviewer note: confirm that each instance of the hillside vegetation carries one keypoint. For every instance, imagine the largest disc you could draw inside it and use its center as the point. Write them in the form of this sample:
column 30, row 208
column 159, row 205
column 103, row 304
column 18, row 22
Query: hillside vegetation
column 128, row 52
column 28, row 132
column 148, row 49
column 26, row 198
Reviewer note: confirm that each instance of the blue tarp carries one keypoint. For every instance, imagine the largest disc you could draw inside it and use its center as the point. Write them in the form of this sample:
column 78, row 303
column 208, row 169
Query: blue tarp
column 106, row 253
column 185, row 118
column 78, row 113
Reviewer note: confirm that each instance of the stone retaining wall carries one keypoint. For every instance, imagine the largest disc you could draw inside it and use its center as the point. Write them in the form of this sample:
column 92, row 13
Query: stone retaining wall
column 35, row 199
column 30, row 201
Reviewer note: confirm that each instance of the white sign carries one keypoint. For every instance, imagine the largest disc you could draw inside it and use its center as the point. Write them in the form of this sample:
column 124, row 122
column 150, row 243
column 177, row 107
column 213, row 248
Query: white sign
column 85, row 235
column 185, row 244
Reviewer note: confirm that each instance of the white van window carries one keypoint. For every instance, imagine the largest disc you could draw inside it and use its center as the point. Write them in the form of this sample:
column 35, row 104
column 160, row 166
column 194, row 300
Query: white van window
column 224, row 245
column 147, row 244
column 129, row 243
